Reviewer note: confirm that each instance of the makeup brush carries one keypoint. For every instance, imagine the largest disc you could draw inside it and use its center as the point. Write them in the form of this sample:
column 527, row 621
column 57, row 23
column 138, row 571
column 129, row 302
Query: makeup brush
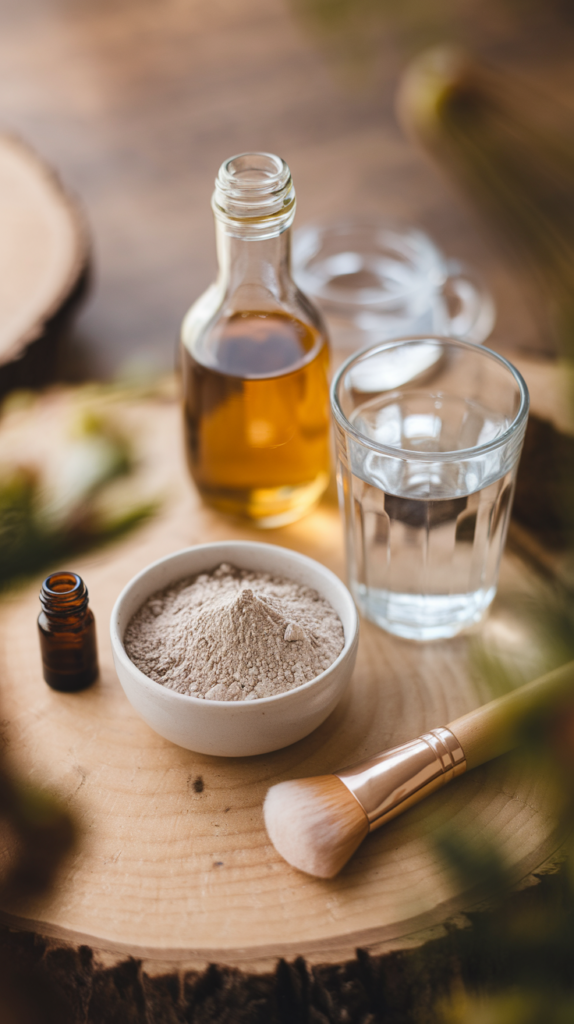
column 316, row 824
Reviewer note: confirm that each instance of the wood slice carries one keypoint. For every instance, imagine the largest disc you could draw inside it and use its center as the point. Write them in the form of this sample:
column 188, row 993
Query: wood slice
column 174, row 864
column 43, row 265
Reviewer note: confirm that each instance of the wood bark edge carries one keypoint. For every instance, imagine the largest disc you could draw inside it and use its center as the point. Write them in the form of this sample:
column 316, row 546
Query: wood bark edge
column 27, row 359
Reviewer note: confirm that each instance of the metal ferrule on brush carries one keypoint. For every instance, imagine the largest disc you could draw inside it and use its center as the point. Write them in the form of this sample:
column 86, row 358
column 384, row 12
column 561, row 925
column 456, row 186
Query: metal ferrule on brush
column 389, row 783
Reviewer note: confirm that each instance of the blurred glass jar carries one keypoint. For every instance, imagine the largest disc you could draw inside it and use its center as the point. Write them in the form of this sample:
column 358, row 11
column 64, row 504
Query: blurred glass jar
column 376, row 281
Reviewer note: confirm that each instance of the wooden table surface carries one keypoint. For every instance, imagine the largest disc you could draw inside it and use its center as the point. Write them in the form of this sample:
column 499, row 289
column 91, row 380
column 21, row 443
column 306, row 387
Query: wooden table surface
column 137, row 103
column 177, row 873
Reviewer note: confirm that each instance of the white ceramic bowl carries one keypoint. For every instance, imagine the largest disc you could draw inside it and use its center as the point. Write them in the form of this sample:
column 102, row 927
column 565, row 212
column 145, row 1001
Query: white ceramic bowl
column 235, row 728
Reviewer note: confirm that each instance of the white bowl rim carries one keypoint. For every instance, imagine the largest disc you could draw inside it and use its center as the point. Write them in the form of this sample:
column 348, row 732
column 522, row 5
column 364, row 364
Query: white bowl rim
column 245, row 705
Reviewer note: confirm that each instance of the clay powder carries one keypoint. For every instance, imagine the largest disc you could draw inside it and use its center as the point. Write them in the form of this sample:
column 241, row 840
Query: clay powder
column 232, row 634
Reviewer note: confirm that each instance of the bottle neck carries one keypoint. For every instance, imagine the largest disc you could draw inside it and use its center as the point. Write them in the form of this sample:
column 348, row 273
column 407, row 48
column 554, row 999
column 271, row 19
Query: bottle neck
column 254, row 273
column 64, row 597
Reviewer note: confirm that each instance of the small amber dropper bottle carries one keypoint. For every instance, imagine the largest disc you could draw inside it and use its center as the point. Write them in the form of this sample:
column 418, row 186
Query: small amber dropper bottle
column 67, row 633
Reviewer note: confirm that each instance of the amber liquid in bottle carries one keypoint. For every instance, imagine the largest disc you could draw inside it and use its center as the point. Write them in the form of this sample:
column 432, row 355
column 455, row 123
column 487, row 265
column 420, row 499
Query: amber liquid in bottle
column 67, row 633
column 257, row 416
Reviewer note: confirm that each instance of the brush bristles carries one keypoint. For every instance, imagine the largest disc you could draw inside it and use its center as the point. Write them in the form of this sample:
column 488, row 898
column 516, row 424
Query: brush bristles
column 315, row 824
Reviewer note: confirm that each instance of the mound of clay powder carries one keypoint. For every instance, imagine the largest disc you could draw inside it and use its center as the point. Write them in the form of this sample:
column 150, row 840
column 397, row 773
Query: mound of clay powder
column 233, row 634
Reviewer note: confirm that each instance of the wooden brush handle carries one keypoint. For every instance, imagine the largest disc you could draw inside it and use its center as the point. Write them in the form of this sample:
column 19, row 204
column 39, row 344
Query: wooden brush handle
column 495, row 728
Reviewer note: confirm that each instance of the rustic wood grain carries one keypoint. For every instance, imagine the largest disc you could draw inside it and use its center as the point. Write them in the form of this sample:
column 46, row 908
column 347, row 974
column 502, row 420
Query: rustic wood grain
column 174, row 863
column 43, row 259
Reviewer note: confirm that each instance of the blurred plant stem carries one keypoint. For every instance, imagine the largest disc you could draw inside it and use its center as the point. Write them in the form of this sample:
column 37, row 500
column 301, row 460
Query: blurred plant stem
column 512, row 156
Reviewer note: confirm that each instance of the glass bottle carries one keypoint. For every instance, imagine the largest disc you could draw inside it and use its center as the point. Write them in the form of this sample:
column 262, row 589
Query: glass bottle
column 255, row 358
column 67, row 633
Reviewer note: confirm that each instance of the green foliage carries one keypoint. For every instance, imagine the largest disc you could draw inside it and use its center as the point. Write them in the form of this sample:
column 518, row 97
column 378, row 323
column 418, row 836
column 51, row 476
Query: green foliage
column 479, row 865
column 43, row 520
column 512, row 152
column 517, row 959
column 42, row 833
column 518, row 1006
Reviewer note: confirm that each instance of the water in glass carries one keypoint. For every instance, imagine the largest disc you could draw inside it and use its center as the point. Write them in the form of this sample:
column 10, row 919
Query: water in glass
column 424, row 538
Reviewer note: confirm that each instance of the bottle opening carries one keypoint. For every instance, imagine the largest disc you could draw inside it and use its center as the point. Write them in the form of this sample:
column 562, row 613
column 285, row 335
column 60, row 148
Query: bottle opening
column 252, row 188
column 253, row 174
column 62, row 583
column 63, row 592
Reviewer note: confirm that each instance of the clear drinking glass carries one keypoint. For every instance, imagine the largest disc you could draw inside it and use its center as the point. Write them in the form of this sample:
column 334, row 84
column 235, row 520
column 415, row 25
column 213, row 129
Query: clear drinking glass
column 426, row 471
